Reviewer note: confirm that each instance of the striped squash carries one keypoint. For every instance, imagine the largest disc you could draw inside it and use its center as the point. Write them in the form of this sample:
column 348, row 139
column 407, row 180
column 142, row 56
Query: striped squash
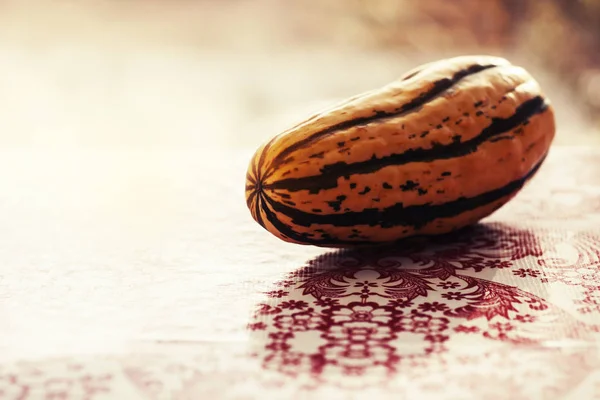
column 439, row 149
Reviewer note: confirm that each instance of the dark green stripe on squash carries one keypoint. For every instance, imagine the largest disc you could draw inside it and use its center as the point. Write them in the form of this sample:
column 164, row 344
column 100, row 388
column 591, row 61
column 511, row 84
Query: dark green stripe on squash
column 437, row 89
column 415, row 216
column 331, row 173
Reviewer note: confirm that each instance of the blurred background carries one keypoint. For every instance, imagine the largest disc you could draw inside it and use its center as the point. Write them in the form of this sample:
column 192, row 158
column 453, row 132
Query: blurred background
column 229, row 73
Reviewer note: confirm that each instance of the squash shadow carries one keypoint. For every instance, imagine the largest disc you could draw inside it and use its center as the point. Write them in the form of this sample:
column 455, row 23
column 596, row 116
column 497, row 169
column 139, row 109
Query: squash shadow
column 397, row 313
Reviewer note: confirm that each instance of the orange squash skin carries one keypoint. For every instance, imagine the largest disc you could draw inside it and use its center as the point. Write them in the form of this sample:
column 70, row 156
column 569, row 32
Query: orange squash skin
column 437, row 150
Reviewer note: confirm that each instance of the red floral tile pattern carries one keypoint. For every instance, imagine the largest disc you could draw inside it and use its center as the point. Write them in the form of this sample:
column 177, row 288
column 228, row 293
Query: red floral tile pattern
column 509, row 308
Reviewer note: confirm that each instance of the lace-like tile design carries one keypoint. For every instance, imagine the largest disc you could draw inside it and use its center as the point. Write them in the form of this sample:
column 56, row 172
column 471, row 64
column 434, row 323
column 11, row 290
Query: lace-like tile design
column 403, row 318
column 508, row 309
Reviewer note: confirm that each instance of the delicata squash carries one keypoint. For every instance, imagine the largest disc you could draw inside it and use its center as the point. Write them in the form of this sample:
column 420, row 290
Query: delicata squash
column 437, row 150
